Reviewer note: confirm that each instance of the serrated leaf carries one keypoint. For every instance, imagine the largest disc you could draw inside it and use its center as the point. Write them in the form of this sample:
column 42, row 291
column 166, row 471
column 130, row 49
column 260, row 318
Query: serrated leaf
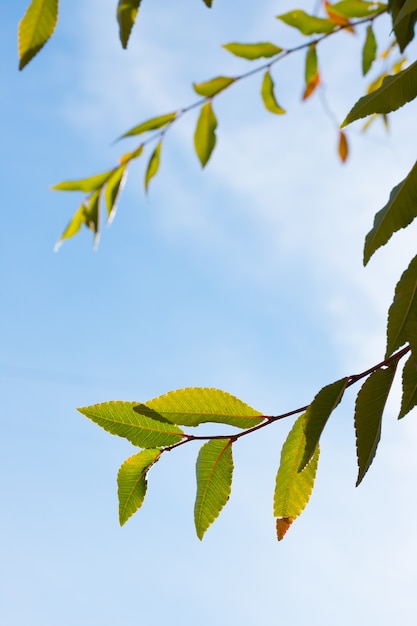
column 307, row 24
column 132, row 483
column 343, row 148
column 293, row 488
column 403, row 309
column 214, row 86
column 35, row 28
column 369, row 50
column 268, row 95
column 214, row 471
column 153, row 165
column 312, row 76
column 120, row 418
column 113, row 190
column 205, row 133
column 409, row 383
column 357, row 8
column 317, row 415
column 394, row 92
column 403, row 21
column 252, row 51
column 369, row 407
column 398, row 213
column 127, row 11
column 154, row 123
column 92, row 183
column 196, row 405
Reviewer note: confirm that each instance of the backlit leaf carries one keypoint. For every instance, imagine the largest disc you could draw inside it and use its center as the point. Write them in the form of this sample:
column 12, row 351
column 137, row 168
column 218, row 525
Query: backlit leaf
column 132, row 483
column 113, row 189
column 394, row 92
column 153, row 165
column 398, row 213
column 195, row 405
column 252, row 51
column 128, row 156
column 409, row 381
column 369, row 50
column 92, row 183
column 120, row 418
column 155, row 123
column 312, row 76
column 92, row 215
column 370, row 404
column 214, row 86
column 205, row 133
column 214, row 471
column 343, row 147
column 317, row 415
column 35, row 28
column 73, row 227
column 293, row 488
column 127, row 11
column 357, row 8
column 307, row 24
column 403, row 309
column 268, row 95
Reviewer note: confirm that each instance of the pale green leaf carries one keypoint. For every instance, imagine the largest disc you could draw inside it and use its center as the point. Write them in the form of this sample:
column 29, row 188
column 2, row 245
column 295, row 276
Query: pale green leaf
column 317, row 415
column 35, row 28
column 153, row 165
column 92, row 183
column 113, row 190
column 155, row 123
column 369, row 50
column 357, row 8
column 409, row 382
column 214, row 471
column 196, row 405
column 205, row 133
column 369, row 407
column 394, row 92
column 268, row 95
column 403, row 309
column 120, row 418
column 214, row 86
column 398, row 213
column 252, row 51
column 127, row 11
column 293, row 488
column 307, row 24
column 132, row 483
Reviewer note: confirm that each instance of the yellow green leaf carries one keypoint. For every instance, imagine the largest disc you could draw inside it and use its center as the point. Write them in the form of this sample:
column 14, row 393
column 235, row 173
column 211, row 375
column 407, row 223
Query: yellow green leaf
column 127, row 11
column 214, row 86
column 252, row 51
column 205, row 133
column 152, row 124
column 35, row 28
column 268, row 95
column 153, row 165
column 132, row 483
column 307, row 24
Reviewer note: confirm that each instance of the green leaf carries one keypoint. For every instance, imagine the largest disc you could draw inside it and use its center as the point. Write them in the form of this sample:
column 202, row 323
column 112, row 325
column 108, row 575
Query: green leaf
column 357, row 8
column 92, row 215
column 403, row 309
column 35, row 28
column 92, row 183
column 399, row 212
column 369, row 50
column 369, row 408
column 153, row 165
column 214, row 471
column 268, row 96
column 132, row 483
column 403, row 21
column 196, row 405
column 293, row 488
column 208, row 3
column 394, row 92
column 127, row 11
column 120, row 418
column 152, row 124
column 73, row 227
column 307, row 24
column 113, row 189
column 317, row 415
column 408, row 7
column 214, row 86
column 312, row 76
column 205, row 133
column 252, row 51
column 409, row 393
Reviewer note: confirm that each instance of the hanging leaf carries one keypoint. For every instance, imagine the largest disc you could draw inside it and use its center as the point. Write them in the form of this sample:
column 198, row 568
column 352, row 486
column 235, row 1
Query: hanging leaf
column 92, row 183
column 252, row 51
column 404, row 16
column 369, row 408
column 317, row 415
column 196, row 405
column 343, row 147
column 312, row 76
column 214, row 86
column 293, row 488
column 132, row 483
column 369, row 50
column 205, row 133
column 398, row 213
column 403, row 309
column 208, row 3
column 307, row 24
column 268, row 95
column 127, row 11
column 394, row 92
column 73, row 227
column 35, row 28
column 119, row 418
column 153, row 165
column 214, row 482
column 409, row 382
column 92, row 215
column 155, row 123
column 113, row 190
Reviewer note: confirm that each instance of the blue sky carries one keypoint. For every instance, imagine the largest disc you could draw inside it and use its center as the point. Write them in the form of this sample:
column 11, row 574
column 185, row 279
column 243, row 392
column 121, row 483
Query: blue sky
column 246, row 277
